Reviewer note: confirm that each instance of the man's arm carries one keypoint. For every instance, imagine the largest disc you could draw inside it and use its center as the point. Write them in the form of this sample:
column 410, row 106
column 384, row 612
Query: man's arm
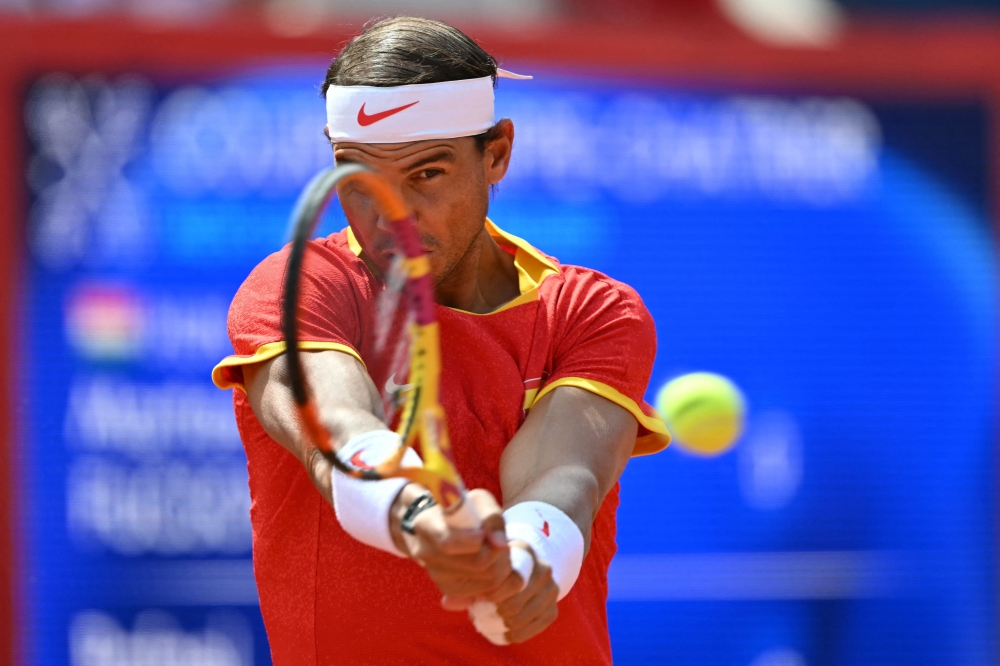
column 569, row 453
column 348, row 402
column 461, row 563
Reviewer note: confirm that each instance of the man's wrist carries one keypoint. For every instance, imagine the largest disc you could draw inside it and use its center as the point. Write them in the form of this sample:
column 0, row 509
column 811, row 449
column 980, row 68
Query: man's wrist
column 364, row 508
column 552, row 536
column 409, row 493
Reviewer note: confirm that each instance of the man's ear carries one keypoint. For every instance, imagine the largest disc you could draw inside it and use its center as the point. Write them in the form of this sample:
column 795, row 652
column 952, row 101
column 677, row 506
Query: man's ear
column 498, row 150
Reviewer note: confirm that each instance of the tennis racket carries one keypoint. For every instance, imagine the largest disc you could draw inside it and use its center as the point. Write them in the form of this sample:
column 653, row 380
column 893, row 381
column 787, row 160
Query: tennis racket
column 407, row 300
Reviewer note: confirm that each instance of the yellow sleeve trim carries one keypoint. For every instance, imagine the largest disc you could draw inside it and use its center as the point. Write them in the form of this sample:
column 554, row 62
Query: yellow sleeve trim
column 655, row 441
column 268, row 351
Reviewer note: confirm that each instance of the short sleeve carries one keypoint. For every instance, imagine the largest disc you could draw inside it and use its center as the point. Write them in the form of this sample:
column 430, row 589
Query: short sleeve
column 329, row 316
column 605, row 342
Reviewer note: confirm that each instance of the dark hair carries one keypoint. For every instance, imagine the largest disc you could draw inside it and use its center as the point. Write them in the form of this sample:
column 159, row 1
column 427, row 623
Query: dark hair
column 406, row 50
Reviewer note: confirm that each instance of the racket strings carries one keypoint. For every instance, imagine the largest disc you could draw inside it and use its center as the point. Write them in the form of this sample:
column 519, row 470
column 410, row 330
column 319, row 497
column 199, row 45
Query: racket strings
column 387, row 306
column 392, row 326
column 393, row 399
column 406, row 340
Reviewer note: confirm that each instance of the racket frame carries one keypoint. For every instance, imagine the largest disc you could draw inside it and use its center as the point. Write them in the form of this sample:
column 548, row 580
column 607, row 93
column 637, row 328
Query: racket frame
column 422, row 418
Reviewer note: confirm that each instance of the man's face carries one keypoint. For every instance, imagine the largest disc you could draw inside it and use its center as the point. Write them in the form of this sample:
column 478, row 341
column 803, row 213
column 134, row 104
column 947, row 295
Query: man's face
column 444, row 182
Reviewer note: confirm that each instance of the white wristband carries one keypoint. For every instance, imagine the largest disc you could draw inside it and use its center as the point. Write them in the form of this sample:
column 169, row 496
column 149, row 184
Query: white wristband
column 553, row 536
column 362, row 507
column 555, row 540
column 484, row 613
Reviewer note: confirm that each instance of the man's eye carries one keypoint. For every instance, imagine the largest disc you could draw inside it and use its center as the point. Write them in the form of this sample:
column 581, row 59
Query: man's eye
column 427, row 174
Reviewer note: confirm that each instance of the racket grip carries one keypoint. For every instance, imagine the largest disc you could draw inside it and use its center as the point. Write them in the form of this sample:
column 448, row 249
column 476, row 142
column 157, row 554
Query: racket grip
column 464, row 516
column 484, row 614
column 488, row 622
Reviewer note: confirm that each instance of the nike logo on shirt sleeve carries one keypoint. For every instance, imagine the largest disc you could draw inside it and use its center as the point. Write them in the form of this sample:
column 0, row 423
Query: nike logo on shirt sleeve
column 392, row 388
column 365, row 120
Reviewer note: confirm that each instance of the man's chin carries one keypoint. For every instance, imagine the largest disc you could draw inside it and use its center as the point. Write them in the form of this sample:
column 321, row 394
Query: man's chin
column 382, row 260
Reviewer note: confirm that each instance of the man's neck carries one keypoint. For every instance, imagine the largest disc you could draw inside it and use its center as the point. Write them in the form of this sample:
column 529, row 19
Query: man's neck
column 484, row 279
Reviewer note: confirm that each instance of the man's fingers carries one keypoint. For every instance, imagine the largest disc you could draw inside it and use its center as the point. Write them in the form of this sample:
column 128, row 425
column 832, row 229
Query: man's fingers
column 541, row 576
column 432, row 554
column 461, row 543
column 453, row 603
column 511, row 586
column 491, row 516
column 535, row 627
column 464, row 564
column 462, row 587
column 475, row 581
column 533, row 608
column 486, row 563
column 434, row 535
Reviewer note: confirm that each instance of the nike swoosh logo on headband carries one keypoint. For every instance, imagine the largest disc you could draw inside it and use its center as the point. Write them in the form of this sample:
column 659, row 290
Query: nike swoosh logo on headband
column 365, row 120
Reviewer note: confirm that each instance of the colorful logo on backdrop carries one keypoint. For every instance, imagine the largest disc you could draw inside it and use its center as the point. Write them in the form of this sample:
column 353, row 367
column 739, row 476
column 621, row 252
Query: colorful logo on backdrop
column 120, row 322
column 106, row 322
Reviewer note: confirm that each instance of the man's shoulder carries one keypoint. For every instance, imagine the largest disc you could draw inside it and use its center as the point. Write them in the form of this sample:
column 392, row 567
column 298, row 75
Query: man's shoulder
column 330, row 257
column 576, row 287
column 332, row 273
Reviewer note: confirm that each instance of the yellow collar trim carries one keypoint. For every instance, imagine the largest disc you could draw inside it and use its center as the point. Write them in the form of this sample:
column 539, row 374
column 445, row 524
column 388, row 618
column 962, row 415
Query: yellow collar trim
column 532, row 266
column 352, row 242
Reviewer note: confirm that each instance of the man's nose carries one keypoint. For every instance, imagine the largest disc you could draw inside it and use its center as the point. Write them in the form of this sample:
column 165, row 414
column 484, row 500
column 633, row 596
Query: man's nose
column 409, row 203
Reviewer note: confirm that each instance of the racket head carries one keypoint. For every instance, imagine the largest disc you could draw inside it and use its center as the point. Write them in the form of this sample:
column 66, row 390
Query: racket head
column 407, row 310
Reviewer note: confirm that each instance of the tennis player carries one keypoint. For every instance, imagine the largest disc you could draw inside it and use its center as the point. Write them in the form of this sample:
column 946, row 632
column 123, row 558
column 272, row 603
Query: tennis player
column 544, row 371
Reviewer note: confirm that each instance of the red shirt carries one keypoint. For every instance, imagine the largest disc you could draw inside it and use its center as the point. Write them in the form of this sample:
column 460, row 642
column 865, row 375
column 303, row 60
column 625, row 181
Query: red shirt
column 328, row 599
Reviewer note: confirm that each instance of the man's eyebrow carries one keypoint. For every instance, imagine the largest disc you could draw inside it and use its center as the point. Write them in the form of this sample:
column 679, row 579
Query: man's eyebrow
column 442, row 156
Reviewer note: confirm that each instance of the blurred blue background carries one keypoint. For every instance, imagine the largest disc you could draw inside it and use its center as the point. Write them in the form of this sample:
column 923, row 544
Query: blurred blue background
column 833, row 255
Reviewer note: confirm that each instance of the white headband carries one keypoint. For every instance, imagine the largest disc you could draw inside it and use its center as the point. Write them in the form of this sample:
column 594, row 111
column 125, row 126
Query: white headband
column 369, row 114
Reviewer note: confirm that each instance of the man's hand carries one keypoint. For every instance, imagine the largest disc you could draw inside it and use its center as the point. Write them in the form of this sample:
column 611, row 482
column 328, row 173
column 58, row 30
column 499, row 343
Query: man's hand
column 463, row 563
column 467, row 565
column 526, row 609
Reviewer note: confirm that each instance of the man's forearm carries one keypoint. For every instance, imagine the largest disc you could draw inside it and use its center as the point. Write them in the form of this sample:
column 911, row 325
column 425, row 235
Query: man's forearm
column 272, row 402
column 559, row 467
column 571, row 488
column 347, row 400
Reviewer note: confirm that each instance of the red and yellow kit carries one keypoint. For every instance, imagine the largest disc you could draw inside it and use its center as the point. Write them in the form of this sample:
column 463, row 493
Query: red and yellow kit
column 328, row 599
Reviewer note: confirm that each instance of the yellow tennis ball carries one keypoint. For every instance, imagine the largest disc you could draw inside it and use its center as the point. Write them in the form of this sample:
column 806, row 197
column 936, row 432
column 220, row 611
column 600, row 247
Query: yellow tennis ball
column 704, row 412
